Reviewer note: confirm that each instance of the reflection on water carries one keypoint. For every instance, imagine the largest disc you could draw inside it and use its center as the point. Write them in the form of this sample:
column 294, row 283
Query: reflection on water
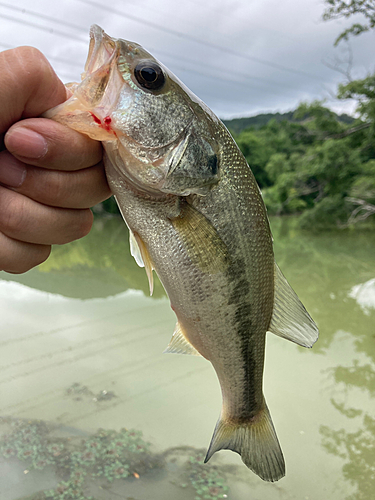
column 81, row 350
column 364, row 294
column 99, row 265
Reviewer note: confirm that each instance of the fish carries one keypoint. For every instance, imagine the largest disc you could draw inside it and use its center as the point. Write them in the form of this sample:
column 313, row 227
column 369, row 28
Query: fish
column 196, row 216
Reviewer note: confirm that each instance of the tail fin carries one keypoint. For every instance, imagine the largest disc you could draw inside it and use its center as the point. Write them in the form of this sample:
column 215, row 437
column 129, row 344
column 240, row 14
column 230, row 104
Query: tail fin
column 255, row 441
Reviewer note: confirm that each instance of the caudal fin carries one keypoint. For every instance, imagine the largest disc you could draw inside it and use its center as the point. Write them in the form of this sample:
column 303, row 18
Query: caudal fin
column 255, row 441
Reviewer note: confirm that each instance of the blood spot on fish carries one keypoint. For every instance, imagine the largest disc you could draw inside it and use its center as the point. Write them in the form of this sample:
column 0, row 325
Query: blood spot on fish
column 107, row 122
column 106, row 125
column 96, row 119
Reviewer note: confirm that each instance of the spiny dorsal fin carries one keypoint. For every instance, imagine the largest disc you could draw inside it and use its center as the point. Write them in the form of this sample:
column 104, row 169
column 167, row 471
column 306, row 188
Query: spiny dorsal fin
column 290, row 319
column 140, row 253
column 179, row 344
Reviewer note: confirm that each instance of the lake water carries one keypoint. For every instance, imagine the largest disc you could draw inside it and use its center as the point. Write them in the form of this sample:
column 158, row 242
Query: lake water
column 81, row 350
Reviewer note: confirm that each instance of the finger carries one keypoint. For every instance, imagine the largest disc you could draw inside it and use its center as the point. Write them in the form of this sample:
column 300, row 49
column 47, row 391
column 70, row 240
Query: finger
column 27, row 220
column 19, row 257
column 48, row 144
column 80, row 189
column 28, row 86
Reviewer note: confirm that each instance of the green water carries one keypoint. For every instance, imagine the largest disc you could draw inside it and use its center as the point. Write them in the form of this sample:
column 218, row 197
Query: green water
column 81, row 349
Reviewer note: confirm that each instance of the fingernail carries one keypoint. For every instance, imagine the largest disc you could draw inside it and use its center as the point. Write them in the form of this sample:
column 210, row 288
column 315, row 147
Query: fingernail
column 25, row 142
column 12, row 171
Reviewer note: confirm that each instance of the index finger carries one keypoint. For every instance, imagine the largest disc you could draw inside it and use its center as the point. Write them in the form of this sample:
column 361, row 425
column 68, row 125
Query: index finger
column 28, row 85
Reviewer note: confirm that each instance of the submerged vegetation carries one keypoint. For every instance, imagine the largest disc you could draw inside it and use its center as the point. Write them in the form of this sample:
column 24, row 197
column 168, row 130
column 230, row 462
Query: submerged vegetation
column 90, row 464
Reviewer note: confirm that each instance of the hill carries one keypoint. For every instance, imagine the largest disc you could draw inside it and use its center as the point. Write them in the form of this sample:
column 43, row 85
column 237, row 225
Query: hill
column 236, row 125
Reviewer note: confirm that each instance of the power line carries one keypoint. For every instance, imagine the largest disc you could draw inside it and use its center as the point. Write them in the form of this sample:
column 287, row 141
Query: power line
column 81, row 30
column 250, row 24
column 184, row 69
column 211, row 66
column 197, row 40
column 48, row 56
column 43, row 28
column 42, row 16
column 71, row 63
column 225, row 80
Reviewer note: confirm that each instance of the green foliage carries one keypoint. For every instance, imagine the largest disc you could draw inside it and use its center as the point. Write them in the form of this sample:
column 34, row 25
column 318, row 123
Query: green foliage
column 320, row 165
column 337, row 9
column 314, row 162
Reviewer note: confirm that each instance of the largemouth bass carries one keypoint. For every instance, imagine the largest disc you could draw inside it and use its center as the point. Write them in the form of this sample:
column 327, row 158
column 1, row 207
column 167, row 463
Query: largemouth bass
column 195, row 215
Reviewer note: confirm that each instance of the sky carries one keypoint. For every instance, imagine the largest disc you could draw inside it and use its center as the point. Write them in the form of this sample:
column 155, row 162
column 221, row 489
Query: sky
column 241, row 57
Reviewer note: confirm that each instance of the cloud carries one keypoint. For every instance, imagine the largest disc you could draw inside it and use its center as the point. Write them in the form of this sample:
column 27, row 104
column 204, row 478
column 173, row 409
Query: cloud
column 239, row 57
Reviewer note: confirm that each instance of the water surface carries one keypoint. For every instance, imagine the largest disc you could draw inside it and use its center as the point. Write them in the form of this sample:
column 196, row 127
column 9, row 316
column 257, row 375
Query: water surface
column 81, row 349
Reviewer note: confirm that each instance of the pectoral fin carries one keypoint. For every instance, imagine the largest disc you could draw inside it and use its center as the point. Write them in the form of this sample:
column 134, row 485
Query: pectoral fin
column 201, row 241
column 140, row 253
column 290, row 319
column 179, row 344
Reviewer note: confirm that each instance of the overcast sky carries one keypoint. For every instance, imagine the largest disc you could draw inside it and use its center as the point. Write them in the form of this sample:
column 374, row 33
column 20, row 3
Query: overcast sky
column 241, row 57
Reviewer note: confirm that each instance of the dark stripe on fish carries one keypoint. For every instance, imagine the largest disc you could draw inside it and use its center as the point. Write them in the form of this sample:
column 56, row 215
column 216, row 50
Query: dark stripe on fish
column 240, row 298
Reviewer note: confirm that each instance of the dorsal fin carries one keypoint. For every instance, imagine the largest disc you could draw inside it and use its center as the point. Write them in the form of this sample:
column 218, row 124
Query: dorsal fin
column 290, row 319
column 179, row 344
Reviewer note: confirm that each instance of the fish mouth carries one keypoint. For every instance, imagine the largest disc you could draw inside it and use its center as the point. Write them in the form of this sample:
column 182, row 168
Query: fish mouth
column 102, row 50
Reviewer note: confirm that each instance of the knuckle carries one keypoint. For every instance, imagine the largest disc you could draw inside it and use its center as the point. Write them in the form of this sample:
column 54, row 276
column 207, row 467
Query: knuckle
column 76, row 225
column 33, row 61
column 13, row 216
column 55, row 189
column 17, row 257
column 86, row 222
column 22, row 265
column 30, row 62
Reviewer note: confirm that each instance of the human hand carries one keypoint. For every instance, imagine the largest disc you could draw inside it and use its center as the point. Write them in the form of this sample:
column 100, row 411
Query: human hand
column 49, row 174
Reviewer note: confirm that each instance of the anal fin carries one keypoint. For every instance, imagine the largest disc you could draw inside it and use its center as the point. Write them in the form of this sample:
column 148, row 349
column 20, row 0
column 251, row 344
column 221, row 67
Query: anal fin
column 179, row 344
column 290, row 319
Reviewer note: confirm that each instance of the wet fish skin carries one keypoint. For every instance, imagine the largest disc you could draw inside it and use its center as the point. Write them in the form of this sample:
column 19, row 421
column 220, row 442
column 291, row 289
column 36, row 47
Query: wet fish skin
column 196, row 216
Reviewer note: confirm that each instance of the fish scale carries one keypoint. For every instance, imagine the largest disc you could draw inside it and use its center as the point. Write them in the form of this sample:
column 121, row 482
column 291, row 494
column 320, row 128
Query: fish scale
column 196, row 217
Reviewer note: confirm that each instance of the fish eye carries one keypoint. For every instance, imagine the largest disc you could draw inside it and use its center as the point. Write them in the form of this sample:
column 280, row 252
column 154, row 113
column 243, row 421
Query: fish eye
column 149, row 75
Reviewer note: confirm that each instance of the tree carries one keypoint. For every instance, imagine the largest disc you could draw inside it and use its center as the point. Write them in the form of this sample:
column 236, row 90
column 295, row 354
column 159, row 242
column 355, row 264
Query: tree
column 337, row 9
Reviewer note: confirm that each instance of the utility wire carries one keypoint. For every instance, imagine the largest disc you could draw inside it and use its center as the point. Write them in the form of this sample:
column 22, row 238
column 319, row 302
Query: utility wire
column 180, row 68
column 226, row 80
column 83, row 31
column 191, row 38
column 212, row 77
column 42, row 16
column 237, row 83
column 48, row 56
column 43, row 28
column 250, row 24
column 263, row 81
